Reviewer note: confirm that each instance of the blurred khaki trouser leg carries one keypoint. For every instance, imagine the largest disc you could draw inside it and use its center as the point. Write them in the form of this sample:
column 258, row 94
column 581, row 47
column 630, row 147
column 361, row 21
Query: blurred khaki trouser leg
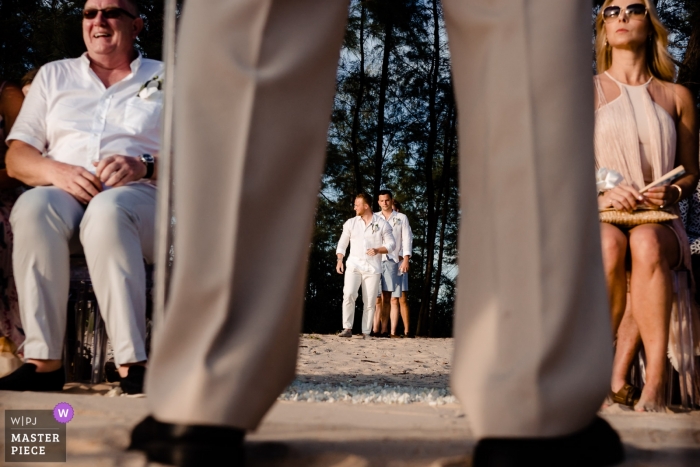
column 255, row 85
column 533, row 351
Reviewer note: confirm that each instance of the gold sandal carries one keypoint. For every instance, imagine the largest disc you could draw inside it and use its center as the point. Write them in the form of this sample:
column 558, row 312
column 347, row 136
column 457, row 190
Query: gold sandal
column 629, row 395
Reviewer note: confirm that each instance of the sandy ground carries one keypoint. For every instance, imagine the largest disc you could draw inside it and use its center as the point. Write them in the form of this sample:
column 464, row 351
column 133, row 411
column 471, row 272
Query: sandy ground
column 405, row 362
column 370, row 427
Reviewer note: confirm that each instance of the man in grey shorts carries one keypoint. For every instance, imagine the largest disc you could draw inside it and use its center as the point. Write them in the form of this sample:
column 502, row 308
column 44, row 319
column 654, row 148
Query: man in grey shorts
column 394, row 267
column 403, row 281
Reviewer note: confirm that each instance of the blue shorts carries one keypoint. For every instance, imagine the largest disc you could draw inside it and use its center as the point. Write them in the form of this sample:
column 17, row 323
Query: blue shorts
column 391, row 281
column 403, row 280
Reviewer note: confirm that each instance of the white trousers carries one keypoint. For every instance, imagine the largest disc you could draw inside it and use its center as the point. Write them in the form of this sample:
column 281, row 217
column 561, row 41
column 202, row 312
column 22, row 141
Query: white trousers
column 533, row 347
column 354, row 278
column 116, row 233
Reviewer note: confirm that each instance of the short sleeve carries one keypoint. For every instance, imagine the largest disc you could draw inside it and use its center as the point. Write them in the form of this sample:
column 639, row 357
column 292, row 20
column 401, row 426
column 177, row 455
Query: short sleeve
column 30, row 126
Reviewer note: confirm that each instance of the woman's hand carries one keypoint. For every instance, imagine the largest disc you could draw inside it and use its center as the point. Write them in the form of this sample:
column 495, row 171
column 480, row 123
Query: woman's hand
column 662, row 196
column 622, row 198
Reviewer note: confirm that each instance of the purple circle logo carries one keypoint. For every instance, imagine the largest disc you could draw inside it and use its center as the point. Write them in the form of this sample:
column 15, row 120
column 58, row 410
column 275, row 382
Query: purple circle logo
column 63, row 412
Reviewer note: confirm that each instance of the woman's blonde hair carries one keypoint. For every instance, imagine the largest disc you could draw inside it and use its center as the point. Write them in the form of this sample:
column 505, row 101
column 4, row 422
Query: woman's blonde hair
column 659, row 61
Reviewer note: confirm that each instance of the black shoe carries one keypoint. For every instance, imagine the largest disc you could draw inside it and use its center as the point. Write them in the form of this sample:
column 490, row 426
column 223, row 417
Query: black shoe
column 26, row 378
column 111, row 373
column 384, row 334
column 597, row 445
column 188, row 445
column 133, row 383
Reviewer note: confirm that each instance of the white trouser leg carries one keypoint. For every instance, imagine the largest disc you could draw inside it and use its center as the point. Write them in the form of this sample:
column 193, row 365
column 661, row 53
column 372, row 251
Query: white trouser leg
column 44, row 219
column 352, row 281
column 370, row 287
column 117, row 234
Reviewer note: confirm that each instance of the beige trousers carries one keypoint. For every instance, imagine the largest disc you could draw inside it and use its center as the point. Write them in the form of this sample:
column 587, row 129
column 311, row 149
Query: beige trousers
column 115, row 232
column 533, row 342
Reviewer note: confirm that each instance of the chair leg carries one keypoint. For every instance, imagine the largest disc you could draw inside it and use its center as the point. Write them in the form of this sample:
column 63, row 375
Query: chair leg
column 99, row 344
column 82, row 352
column 99, row 347
column 688, row 382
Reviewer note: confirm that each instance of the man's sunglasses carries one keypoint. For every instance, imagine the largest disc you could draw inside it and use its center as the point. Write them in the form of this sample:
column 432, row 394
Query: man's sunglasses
column 636, row 11
column 107, row 13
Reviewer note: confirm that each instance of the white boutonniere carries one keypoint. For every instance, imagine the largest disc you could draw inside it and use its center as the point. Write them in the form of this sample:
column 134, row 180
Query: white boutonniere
column 152, row 89
column 396, row 221
column 375, row 227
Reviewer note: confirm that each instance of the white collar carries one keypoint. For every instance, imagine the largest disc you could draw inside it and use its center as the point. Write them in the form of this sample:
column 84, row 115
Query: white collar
column 135, row 63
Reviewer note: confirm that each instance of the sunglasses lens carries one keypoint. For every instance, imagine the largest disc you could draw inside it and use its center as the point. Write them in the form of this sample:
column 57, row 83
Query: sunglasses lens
column 112, row 13
column 636, row 11
column 611, row 12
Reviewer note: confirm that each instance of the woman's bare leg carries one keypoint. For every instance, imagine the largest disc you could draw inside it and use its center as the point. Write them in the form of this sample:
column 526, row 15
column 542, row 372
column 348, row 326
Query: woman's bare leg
column 614, row 243
column 625, row 350
column 654, row 248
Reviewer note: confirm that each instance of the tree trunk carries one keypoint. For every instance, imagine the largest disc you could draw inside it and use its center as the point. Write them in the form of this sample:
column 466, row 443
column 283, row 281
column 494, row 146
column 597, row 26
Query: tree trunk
column 354, row 137
column 445, row 187
column 423, row 315
column 383, row 84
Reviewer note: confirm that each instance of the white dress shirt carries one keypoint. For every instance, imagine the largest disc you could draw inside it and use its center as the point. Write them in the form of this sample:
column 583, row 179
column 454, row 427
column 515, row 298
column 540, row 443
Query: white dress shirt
column 403, row 235
column 361, row 238
column 71, row 117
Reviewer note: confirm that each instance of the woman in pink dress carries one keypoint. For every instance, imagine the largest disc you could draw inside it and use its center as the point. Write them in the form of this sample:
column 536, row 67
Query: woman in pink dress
column 645, row 126
column 11, row 98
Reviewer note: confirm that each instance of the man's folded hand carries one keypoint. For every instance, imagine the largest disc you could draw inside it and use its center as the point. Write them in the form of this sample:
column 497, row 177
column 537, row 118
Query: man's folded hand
column 118, row 170
column 75, row 180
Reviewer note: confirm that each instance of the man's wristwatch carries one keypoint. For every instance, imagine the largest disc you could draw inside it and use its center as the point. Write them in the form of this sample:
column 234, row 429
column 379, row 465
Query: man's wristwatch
column 150, row 163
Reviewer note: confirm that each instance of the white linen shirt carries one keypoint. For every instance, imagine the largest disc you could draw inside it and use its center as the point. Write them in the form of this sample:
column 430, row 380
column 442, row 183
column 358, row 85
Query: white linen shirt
column 403, row 235
column 361, row 238
column 71, row 117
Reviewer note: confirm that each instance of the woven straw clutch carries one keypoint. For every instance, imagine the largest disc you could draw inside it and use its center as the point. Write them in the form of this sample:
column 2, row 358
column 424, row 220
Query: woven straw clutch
column 638, row 217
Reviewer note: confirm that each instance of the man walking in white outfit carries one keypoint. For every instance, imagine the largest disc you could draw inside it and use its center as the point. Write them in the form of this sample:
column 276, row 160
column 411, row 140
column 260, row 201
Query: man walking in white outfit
column 369, row 236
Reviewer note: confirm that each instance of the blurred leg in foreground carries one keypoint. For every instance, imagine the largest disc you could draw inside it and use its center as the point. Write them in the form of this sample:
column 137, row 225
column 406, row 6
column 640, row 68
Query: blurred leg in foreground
column 533, row 345
column 532, row 336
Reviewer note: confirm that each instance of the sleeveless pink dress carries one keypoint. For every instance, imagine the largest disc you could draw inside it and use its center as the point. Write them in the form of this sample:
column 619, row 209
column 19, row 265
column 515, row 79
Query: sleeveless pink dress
column 623, row 145
column 10, row 324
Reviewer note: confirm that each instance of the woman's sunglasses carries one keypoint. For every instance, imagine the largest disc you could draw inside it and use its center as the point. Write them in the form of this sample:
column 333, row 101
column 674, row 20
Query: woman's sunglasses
column 107, row 13
column 636, row 11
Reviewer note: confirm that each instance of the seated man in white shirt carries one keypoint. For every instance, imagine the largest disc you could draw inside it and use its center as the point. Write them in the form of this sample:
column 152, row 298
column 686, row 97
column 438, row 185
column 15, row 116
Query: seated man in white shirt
column 369, row 236
column 84, row 139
